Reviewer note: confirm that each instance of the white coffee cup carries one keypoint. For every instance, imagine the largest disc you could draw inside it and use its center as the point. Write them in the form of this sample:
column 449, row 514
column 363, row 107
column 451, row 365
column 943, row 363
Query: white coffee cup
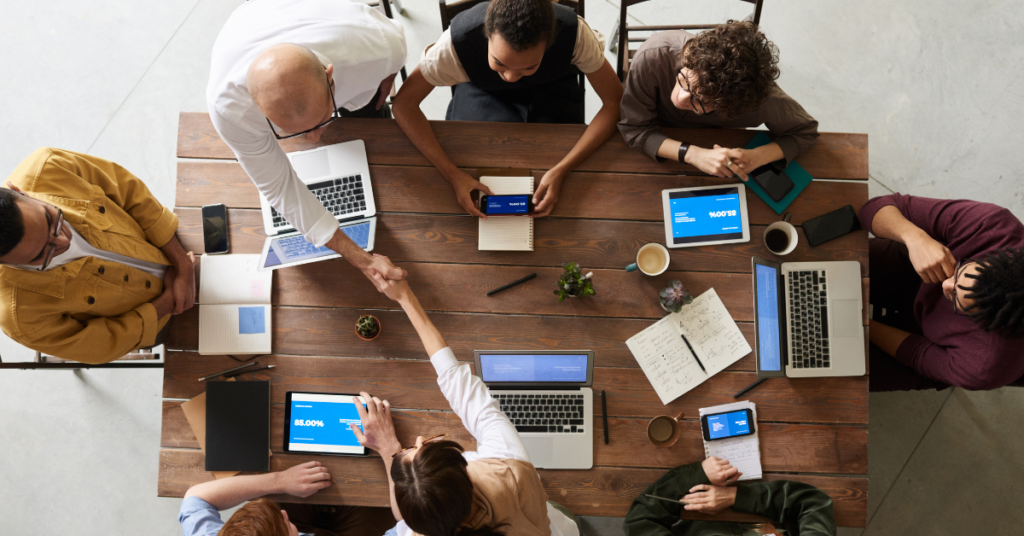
column 787, row 230
column 651, row 259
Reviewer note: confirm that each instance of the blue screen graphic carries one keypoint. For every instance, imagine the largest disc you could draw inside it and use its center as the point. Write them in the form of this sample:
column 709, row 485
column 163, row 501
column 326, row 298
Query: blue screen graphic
column 705, row 215
column 728, row 424
column 508, row 204
column 296, row 248
column 319, row 423
column 533, row 368
column 769, row 351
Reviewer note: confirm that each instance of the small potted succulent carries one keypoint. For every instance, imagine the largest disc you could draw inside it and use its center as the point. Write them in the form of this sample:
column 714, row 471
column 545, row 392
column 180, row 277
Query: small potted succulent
column 573, row 283
column 674, row 297
column 367, row 327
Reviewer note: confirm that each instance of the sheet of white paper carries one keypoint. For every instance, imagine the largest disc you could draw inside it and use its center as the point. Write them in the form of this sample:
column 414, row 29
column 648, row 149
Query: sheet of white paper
column 506, row 233
column 716, row 339
column 227, row 279
column 743, row 453
column 219, row 331
column 666, row 360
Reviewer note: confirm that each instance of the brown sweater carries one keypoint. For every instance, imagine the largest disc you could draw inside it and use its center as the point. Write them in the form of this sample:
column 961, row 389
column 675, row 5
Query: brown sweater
column 647, row 105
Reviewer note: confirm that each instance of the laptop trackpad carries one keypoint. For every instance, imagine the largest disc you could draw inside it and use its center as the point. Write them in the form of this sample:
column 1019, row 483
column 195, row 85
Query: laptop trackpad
column 846, row 318
column 541, row 450
column 311, row 165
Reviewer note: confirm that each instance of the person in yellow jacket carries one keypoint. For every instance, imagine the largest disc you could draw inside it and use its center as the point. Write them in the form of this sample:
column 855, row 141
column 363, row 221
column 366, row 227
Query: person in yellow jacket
column 90, row 267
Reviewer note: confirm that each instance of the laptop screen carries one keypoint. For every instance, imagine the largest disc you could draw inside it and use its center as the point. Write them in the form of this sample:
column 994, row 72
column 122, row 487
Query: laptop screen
column 769, row 352
column 533, row 368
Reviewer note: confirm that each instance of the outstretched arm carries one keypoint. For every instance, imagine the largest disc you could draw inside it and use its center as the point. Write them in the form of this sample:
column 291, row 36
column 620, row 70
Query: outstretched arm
column 301, row 481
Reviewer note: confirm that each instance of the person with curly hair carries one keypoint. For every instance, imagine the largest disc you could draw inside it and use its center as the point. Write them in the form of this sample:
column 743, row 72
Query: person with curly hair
column 947, row 294
column 722, row 78
column 512, row 61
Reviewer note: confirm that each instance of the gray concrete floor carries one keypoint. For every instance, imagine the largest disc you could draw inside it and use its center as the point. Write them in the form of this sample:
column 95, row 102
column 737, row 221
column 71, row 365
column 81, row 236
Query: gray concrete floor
column 937, row 86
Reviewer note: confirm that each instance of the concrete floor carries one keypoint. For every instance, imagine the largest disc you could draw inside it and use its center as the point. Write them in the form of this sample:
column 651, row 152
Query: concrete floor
column 937, row 86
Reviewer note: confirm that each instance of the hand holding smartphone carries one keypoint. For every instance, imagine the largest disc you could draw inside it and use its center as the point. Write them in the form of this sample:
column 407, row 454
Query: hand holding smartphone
column 506, row 205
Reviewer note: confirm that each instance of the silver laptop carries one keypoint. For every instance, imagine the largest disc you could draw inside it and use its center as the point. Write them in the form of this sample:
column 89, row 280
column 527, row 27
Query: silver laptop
column 547, row 396
column 339, row 175
column 808, row 319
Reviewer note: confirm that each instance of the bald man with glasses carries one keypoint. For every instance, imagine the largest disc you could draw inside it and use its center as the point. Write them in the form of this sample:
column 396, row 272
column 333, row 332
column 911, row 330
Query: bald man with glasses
column 90, row 266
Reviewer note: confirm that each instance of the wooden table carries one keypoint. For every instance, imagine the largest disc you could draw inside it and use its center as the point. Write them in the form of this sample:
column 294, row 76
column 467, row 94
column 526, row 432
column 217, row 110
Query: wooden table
column 812, row 430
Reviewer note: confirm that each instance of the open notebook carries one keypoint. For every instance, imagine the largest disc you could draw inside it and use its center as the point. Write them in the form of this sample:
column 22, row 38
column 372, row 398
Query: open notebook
column 744, row 452
column 507, row 233
column 666, row 359
column 234, row 310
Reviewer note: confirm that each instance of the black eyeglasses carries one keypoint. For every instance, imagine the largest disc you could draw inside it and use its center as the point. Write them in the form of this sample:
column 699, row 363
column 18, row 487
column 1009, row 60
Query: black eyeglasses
column 693, row 102
column 53, row 246
column 334, row 115
column 958, row 311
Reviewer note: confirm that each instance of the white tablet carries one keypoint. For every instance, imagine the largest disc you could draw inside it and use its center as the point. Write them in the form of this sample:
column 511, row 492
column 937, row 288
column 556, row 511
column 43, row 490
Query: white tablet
column 292, row 249
column 705, row 215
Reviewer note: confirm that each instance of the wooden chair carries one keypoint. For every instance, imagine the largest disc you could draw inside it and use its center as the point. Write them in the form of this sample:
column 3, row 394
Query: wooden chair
column 621, row 38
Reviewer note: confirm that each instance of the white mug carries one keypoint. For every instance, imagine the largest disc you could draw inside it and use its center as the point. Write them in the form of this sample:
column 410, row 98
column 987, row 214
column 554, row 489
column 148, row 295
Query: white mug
column 790, row 233
column 660, row 268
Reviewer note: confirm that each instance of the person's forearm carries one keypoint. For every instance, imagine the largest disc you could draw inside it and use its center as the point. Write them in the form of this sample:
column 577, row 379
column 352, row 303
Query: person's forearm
column 348, row 249
column 176, row 254
column 164, row 304
column 890, row 223
column 765, row 154
column 598, row 132
column 887, row 338
column 669, row 149
column 230, row 492
column 414, row 124
column 429, row 335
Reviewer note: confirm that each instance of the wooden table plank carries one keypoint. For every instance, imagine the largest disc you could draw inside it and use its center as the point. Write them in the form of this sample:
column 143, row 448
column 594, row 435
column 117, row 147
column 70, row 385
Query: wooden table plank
column 615, row 196
column 433, row 238
column 538, row 146
column 785, row 448
column 413, row 385
column 603, row 491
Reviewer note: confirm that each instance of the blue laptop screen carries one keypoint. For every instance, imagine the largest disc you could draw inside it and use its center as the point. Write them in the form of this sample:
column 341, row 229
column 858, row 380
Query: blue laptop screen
column 769, row 352
column 498, row 368
column 294, row 248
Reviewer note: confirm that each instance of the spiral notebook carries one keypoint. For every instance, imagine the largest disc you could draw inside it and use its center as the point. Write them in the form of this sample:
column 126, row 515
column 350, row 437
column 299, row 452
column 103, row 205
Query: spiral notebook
column 506, row 233
column 744, row 452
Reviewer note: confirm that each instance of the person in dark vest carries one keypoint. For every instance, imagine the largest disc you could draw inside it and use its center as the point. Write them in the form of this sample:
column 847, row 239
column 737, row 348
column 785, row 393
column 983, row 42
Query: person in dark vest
column 512, row 61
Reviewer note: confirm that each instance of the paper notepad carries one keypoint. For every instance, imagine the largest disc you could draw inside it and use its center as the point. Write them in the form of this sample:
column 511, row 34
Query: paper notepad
column 234, row 310
column 665, row 358
column 743, row 453
column 507, row 233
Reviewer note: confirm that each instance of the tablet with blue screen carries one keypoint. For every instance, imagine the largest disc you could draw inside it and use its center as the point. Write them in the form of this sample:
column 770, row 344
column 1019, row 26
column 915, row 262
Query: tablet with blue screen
column 292, row 249
column 318, row 423
column 705, row 215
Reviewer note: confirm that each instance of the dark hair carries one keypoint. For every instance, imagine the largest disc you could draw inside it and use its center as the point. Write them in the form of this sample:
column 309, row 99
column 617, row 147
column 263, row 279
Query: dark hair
column 12, row 227
column 998, row 292
column 434, row 492
column 522, row 23
column 261, row 517
column 735, row 67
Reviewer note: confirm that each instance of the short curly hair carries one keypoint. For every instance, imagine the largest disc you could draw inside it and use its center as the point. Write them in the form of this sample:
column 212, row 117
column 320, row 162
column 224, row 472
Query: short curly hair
column 522, row 23
column 735, row 67
column 998, row 293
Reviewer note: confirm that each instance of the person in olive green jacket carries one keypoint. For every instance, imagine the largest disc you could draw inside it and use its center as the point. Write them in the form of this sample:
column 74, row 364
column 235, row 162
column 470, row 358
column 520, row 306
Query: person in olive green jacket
column 801, row 509
column 91, row 267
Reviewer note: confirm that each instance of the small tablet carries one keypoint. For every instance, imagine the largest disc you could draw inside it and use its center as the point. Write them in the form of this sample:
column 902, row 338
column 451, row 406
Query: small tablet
column 705, row 215
column 292, row 249
column 317, row 423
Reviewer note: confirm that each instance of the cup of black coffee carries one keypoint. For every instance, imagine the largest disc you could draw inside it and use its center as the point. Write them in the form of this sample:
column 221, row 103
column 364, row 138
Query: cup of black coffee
column 780, row 237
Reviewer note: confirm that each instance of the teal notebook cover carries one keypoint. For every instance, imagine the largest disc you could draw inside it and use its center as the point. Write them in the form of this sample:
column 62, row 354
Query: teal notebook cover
column 800, row 177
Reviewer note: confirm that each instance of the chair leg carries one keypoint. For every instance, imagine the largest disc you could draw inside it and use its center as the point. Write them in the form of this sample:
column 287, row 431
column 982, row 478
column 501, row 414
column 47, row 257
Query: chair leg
column 613, row 40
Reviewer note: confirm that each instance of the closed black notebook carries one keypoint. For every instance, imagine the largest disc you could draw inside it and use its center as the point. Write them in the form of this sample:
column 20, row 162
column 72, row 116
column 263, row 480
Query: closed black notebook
column 238, row 426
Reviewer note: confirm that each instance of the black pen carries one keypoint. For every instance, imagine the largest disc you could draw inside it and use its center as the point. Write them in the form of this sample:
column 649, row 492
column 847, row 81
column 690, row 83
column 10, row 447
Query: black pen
column 695, row 358
column 604, row 415
column 239, row 373
column 512, row 284
column 204, row 378
column 749, row 387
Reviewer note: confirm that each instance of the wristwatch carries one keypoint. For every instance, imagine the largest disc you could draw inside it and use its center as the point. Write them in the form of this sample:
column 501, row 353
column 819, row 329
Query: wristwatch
column 683, row 147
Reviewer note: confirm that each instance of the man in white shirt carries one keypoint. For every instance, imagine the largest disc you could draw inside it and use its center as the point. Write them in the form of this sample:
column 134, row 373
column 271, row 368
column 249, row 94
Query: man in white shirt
column 278, row 69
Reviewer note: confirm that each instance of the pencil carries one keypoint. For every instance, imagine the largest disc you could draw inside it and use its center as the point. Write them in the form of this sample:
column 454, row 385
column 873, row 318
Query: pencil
column 512, row 284
column 204, row 378
column 749, row 387
column 604, row 415
column 239, row 373
column 695, row 358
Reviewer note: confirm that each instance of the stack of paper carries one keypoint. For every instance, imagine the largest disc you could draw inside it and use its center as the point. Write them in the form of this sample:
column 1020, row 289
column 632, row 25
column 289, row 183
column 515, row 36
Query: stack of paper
column 507, row 233
column 234, row 310
column 744, row 452
column 665, row 357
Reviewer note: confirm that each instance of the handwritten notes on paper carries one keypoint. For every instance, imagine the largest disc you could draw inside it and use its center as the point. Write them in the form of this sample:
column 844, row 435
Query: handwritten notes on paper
column 667, row 361
column 744, row 452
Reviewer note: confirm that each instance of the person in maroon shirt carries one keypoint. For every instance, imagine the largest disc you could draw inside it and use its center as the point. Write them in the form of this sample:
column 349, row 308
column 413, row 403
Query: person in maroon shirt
column 947, row 291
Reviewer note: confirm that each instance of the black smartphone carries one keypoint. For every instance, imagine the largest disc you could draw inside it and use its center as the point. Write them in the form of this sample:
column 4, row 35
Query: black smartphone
column 832, row 225
column 215, row 229
column 729, row 424
column 774, row 182
column 506, row 205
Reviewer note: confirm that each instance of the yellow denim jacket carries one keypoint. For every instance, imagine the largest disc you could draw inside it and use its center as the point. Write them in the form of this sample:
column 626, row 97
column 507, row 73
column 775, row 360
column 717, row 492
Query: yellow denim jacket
column 89, row 310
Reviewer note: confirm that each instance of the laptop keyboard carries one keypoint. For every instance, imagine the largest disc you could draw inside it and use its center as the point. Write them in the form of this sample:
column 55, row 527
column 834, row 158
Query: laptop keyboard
column 808, row 319
column 543, row 413
column 340, row 196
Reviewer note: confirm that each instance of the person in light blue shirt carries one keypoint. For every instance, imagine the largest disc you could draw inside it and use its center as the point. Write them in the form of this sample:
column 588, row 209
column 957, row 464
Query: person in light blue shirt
column 200, row 510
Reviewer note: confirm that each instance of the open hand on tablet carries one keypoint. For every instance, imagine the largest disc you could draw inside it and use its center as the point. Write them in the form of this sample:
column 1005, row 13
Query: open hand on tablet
column 378, row 431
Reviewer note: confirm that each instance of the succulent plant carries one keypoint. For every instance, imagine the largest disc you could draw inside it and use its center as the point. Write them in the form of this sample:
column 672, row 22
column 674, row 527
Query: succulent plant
column 675, row 296
column 367, row 326
column 574, row 283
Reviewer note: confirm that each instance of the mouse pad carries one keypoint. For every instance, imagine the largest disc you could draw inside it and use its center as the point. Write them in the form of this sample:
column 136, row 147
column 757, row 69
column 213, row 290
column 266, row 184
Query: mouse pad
column 800, row 177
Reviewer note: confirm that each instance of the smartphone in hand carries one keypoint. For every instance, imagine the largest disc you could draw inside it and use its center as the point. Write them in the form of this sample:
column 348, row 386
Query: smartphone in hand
column 506, row 205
